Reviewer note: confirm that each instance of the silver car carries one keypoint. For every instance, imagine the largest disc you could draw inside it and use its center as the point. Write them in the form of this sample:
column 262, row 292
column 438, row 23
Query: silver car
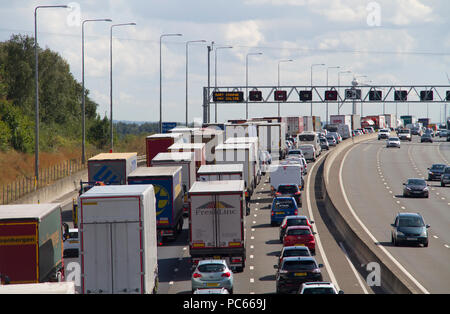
column 393, row 142
column 212, row 274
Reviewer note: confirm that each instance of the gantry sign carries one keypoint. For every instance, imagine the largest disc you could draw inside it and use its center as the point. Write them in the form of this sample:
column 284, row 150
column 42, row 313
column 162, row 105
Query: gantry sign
column 325, row 94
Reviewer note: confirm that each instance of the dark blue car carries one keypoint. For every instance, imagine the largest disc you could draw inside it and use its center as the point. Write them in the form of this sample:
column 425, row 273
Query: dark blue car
column 282, row 207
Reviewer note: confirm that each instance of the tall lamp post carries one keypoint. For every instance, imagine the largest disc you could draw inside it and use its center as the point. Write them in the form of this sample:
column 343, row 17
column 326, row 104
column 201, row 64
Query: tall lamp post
column 246, row 80
column 160, row 77
column 110, row 78
column 215, row 76
column 335, row 67
column 313, row 65
column 339, row 87
column 187, row 57
column 83, row 106
column 36, row 75
column 355, row 83
column 280, row 61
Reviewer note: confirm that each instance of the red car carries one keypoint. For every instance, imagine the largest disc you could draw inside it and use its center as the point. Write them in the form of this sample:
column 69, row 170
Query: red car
column 300, row 235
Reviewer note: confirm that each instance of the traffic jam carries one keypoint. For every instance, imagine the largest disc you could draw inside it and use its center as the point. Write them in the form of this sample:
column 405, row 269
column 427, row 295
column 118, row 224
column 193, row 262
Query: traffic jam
column 208, row 175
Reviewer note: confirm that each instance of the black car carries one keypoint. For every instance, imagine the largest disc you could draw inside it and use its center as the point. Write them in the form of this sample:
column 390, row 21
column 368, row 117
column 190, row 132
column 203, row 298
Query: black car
column 290, row 190
column 426, row 137
column 416, row 187
column 435, row 172
column 296, row 270
column 409, row 227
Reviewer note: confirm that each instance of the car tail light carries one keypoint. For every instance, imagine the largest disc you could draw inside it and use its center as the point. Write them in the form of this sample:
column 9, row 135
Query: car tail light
column 298, row 193
column 196, row 275
column 246, row 193
column 295, row 212
column 277, row 193
column 227, row 274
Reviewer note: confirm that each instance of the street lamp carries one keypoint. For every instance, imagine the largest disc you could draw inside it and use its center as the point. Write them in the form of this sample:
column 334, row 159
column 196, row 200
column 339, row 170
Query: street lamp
column 110, row 78
column 215, row 75
column 187, row 43
column 36, row 73
column 246, row 79
column 335, row 67
column 339, row 86
column 312, row 65
column 83, row 107
column 280, row 61
column 160, row 77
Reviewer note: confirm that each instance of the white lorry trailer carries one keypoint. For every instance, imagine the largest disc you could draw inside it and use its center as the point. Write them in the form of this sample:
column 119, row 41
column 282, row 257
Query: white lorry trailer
column 255, row 142
column 217, row 222
column 221, row 172
column 118, row 240
column 239, row 154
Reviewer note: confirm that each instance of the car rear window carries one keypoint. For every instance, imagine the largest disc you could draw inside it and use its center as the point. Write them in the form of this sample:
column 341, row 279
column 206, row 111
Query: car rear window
column 288, row 189
column 296, row 222
column 319, row 290
column 289, row 253
column 283, row 204
column 306, row 137
column 438, row 167
column 298, row 232
column 299, row 265
column 211, row 268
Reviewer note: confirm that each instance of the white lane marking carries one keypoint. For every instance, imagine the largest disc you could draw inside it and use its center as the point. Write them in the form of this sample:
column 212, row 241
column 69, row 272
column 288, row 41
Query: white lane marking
column 252, row 280
column 252, row 267
column 400, row 266
column 355, row 272
column 317, row 237
column 447, row 246
column 171, row 283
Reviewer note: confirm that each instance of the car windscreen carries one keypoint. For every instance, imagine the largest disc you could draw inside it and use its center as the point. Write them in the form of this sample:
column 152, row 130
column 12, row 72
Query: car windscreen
column 394, row 139
column 319, row 290
column 283, row 204
column 306, row 137
column 410, row 222
column 416, row 182
column 299, row 265
column 298, row 232
column 296, row 222
column 289, row 253
column 211, row 268
column 294, row 152
column 287, row 189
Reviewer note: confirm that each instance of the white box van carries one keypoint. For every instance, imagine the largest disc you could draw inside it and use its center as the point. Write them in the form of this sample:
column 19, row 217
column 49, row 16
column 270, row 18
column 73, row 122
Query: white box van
column 287, row 173
column 308, row 151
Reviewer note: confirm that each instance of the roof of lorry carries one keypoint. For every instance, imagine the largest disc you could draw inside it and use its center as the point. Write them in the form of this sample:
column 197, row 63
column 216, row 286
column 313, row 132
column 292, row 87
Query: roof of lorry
column 111, row 156
column 187, row 145
column 164, row 135
column 233, row 146
column 154, row 171
column 31, row 211
column 174, row 156
column 243, row 140
column 218, row 186
column 221, row 168
column 105, row 190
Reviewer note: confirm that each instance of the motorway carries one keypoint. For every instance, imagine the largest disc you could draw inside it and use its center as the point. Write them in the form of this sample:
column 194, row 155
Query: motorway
column 373, row 175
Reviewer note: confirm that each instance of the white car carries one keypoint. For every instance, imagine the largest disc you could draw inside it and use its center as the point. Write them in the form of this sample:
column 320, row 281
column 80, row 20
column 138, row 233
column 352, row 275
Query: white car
column 72, row 244
column 393, row 142
column 309, row 152
column 384, row 134
column 318, row 287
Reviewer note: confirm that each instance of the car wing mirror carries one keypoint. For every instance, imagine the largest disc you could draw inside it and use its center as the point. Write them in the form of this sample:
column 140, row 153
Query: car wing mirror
column 341, row 292
column 392, row 225
column 275, row 266
column 428, row 226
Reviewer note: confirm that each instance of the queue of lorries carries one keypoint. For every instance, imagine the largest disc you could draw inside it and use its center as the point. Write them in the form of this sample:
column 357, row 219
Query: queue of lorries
column 208, row 174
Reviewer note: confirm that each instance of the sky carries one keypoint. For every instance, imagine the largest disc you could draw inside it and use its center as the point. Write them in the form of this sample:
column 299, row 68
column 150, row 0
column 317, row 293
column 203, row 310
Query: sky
column 381, row 42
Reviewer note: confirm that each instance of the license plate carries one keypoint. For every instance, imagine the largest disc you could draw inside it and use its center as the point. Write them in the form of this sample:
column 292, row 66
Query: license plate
column 298, row 244
column 411, row 239
column 212, row 284
column 300, row 274
column 216, row 257
column 280, row 213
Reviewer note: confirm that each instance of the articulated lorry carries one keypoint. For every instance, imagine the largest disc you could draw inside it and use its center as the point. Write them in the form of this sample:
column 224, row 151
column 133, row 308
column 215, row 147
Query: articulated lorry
column 217, row 222
column 118, row 240
column 167, row 182
column 111, row 168
column 159, row 143
column 31, row 243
